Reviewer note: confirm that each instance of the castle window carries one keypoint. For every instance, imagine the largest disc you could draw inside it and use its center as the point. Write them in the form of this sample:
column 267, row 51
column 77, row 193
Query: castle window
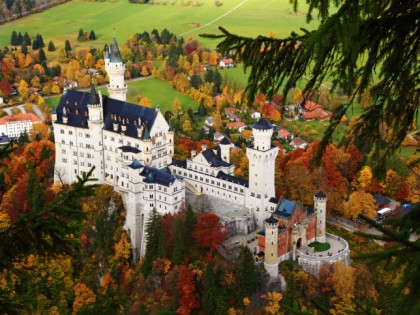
column 86, row 113
column 68, row 110
column 64, row 160
column 77, row 112
column 127, row 120
column 70, row 132
column 75, row 103
column 61, row 131
column 71, row 142
column 67, row 101
column 135, row 122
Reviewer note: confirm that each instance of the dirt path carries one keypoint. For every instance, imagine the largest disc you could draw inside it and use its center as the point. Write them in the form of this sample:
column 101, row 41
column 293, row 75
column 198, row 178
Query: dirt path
column 216, row 19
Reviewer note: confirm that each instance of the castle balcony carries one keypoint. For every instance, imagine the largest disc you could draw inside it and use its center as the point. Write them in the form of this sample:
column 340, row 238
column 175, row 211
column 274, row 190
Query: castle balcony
column 312, row 261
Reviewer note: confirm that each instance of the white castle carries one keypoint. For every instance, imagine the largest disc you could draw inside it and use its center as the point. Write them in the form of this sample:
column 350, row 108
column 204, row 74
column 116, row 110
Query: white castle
column 131, row 147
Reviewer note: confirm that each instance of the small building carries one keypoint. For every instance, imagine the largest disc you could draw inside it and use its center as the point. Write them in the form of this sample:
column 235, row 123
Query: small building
column 231, row 115
column 299, row 143
column 226, row 63
column 209, row 121
column 238, row 125
column 33, row 90
column 12, row 126
column 218, row 136
column 4, row 140
column 284, row 134
column 381, row 201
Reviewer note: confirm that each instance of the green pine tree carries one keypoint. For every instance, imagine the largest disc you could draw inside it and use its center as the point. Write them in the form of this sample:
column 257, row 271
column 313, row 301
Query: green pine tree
column 155, row 246
column 24, row 49
column 14, row 39
column 67, row 46
column 245, row 274
column 81, row 36
column 51, row 46
column 179, row 250
column 92, row 35
column 41, row 56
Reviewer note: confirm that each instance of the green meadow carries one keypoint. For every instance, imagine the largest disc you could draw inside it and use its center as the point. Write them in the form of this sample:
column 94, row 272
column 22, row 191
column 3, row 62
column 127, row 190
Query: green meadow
column 147, row 88
column 252, row 18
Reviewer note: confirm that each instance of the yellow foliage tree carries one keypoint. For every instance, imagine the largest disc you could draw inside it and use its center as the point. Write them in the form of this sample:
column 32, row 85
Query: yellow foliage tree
column 42, row 130
column 144, row 101
column 247, row 134
column 272, row 302
column 23, row 89
column 297, row 96
column 217, row 121
column 365, row 178
column 186, row 126
column 360, row 202
column 176, row 106
column 89, row 61
column 392, row 183
column 122, row 248
column 83, row 296
column 55, row 89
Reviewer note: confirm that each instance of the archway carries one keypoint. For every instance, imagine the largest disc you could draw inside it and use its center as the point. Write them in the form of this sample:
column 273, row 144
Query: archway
column 299, row 243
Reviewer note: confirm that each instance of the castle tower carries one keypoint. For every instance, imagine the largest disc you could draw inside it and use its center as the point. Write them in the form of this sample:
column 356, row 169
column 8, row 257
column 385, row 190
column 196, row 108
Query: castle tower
column 271, row 246
column 320, row 207
column 147, row 145
column 262, row 158
column 96, row 123
column 224, row 145
column 170, row 138
column 114, row 66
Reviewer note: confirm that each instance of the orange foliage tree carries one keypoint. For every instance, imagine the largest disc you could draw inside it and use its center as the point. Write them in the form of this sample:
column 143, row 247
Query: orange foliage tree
column 209, row 232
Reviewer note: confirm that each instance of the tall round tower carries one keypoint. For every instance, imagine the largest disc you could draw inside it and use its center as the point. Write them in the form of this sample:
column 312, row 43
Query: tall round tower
column 271, row 246
column 262, row 158
column 320, row 207
column 114, row 66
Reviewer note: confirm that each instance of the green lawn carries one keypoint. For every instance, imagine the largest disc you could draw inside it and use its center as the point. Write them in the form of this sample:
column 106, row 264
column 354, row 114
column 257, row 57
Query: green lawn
column 320, row 247
column 63, row 22
column 157, row 91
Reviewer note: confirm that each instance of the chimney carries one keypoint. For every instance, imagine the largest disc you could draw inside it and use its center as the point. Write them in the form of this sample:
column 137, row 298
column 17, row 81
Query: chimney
column 203, row 147
column 193, row 153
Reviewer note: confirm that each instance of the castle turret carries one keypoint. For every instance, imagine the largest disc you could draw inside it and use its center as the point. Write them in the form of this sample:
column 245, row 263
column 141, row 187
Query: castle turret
column 114, row 66
column 170, row 138
column 225, row 145
column 147, row 145
column 271, row 246
column 94, row 106
column 262, row 157
column 320, row 207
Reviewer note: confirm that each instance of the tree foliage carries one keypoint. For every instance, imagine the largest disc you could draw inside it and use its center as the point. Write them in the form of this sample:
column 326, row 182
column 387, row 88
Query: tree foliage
column 363, row 45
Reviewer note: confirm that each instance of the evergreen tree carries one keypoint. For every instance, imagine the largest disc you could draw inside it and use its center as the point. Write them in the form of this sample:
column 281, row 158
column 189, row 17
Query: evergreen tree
column 353, row 42
column 35, row 43
column 24, row 49
column 155, row 246
column 156, row 35
column 14, row 40
column 195, row 81
column 202, row 110
column 165, row 36
column 67, row 46
column 245, row 274
column 20, row 39
column 214, row 297
column 51, row 46
column 81, row 36
column 27, row 39
column 23, row 138
column 41, row 56
column 40, row 41
column 92, row 35
column 179, row 250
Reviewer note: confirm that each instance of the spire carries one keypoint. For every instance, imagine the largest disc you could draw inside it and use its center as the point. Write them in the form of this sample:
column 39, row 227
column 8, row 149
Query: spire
column 146, row 133
column 93, row 98
column 115, row 55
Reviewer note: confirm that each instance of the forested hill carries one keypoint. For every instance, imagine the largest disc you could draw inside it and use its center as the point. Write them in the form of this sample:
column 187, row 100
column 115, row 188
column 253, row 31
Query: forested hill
column 14, row 9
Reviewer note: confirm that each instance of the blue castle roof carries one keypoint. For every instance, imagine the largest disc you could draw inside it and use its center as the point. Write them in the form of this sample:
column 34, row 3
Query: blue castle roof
column 75, row 105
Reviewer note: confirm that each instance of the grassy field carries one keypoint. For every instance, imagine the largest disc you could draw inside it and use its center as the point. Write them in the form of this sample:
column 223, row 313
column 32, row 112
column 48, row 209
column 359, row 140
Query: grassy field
column 63, row 22
column 148, row 88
